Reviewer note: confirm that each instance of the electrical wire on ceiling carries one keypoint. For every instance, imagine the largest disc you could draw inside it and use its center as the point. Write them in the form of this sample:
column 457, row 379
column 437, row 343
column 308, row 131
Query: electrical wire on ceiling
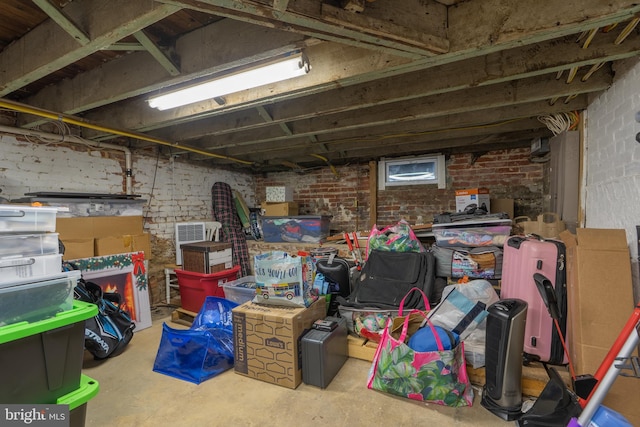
column 560, row 122
column 586, row 37
column 77, row 121
column 333, row 169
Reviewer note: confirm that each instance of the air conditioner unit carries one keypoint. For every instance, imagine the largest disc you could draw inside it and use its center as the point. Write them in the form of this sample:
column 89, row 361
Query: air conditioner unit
column 188, row 232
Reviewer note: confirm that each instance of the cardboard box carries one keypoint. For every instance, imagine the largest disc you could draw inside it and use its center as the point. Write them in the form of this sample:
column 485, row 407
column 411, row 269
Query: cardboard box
column 600, row 300
column 477, row 196
column 108, row 235
column 267, row 338
column 280, row 209
column 99, row 226
column 122, row 244
column 279, row 194
column 78, row 248
column 502, row 205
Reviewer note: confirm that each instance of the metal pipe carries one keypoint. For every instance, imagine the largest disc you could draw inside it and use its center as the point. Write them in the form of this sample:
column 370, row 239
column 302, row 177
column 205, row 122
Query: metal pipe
column 77, row 121
column 79, row 140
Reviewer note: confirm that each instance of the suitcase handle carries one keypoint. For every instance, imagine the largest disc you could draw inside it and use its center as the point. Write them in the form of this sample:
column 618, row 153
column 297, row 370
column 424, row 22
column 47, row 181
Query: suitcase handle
column 548, row 294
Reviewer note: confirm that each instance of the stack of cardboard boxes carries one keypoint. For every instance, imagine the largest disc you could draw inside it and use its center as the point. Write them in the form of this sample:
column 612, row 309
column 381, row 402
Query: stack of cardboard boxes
column 279, row 202
column 85, row 237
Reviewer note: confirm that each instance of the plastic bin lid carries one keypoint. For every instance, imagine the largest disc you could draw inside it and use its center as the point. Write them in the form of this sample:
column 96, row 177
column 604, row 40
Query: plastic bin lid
column 473, row 223
column 19, row 210
column 63, row 275
column 88, row 390
column 81, row 311
column 197, row 275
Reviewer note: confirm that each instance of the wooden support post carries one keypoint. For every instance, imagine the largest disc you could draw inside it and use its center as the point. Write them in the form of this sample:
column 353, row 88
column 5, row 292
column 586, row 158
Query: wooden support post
column 373, row 193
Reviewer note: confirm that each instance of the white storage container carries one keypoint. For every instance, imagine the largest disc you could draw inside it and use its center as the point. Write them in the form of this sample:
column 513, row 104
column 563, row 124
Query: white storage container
column 29, row 268
column 32, row 301
column 26, row 245
column 20, row 219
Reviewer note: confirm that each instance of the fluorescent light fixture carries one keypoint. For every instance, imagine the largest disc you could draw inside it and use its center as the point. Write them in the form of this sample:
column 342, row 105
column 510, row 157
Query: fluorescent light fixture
column 287, row 68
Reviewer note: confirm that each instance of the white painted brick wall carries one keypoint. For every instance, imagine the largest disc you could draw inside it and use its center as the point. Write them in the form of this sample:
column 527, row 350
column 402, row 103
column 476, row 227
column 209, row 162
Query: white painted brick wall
column 612, row 192
column 180, row 192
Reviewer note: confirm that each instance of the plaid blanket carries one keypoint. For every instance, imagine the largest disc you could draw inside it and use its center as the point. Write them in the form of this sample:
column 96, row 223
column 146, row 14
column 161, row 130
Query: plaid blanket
column 224, row 211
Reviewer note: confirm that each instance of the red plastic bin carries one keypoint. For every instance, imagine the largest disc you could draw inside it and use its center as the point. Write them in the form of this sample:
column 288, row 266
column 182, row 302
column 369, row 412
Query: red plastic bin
column 195, row 287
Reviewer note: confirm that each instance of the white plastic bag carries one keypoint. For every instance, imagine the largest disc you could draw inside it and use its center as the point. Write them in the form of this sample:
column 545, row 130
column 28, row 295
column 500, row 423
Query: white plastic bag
column 463, row 309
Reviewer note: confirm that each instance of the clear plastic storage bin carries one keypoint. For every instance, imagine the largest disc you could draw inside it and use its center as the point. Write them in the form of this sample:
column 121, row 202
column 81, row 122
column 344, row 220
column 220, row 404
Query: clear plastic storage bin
column 35, row 301
column 33, row 267
column 472, row 233
column 241, row 290
column 18, row 219
column 27, row 245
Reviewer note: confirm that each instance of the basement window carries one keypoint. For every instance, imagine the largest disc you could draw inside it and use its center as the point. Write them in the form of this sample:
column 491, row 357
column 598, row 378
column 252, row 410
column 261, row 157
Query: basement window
column 412, row 171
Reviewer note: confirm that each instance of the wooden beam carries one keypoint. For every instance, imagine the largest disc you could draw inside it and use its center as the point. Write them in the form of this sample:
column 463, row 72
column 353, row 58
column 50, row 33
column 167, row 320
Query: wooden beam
column 512, row 64
column 51, row 49
column 459, row 102
column 435, row 129
column 124, row 46
column 280, row 5
column 373, row 194
column 303, row 16
column 384, row 29
column 162, row 58
column 206, row 51
column 60, row 18
column 498, row 23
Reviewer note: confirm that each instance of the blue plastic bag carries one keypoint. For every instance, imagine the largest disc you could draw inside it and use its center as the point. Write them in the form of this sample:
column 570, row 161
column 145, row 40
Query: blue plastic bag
column 203, row 351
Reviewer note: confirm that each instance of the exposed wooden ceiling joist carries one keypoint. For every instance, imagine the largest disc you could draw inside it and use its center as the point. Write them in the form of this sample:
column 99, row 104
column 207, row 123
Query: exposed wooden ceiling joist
column 48, row 47
column 388, row 77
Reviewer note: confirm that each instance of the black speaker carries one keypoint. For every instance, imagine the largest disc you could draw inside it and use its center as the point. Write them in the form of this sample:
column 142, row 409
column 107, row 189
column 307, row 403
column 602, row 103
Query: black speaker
column 502, row 393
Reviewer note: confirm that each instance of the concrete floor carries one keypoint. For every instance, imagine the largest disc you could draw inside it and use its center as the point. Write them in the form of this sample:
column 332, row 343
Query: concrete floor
column 131, row 394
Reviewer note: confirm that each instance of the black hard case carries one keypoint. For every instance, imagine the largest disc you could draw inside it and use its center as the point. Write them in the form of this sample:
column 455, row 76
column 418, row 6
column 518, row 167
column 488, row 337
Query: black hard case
column 324, row 353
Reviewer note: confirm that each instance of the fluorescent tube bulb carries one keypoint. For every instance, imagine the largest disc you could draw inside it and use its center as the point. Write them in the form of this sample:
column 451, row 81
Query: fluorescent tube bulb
column 267, row 74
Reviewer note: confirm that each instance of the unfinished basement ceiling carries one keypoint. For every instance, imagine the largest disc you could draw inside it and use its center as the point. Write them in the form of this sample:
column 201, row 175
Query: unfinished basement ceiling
column 388, row 78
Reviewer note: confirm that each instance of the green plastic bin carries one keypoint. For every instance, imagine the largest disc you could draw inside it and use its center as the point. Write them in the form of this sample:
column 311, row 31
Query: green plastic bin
column 42, row 361
column 78, row 399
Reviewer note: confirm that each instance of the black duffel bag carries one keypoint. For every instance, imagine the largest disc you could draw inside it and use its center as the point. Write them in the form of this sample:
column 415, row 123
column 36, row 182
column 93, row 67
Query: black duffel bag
column 388, row 276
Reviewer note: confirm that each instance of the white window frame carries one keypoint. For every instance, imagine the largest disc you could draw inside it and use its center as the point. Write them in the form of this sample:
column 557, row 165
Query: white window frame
column 440, row 175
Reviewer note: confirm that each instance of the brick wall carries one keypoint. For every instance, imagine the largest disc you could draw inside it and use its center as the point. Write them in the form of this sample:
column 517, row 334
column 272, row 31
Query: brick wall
column 175, row 190
column 507, row 173
column 612, row 184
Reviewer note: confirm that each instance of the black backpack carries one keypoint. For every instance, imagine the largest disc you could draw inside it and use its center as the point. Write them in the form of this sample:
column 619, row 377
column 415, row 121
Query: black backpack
column 108, row 333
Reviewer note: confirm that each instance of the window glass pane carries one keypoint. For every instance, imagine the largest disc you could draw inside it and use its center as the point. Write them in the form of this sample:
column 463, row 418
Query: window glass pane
column 419, row 171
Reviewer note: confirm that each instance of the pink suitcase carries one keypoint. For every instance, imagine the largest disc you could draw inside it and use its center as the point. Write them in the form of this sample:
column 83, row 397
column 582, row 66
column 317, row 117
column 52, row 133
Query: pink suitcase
column 522, row 258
